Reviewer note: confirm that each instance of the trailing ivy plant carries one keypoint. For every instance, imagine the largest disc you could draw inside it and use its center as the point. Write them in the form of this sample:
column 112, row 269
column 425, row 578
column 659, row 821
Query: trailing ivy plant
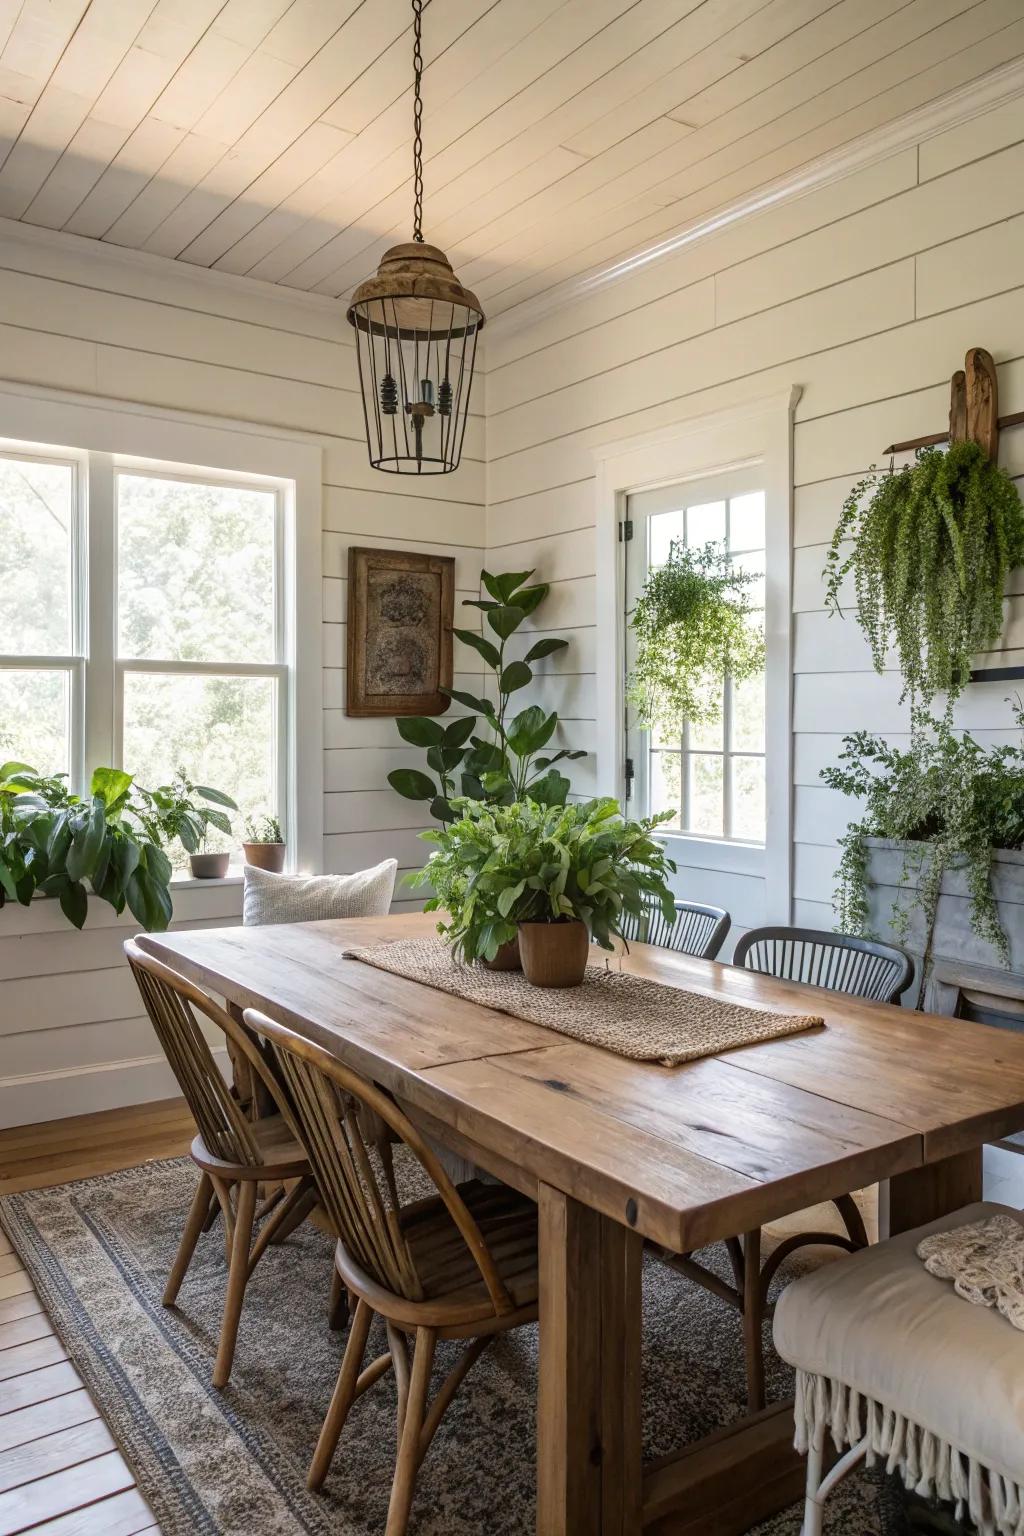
column 106, row 844
column 491, row 755
column 951, row 802
column 932, row 546
column 494, row 866
column 694, row 626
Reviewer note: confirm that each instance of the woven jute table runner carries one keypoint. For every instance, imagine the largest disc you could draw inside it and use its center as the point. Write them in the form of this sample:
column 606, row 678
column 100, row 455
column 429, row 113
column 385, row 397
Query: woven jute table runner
column 632, row 1015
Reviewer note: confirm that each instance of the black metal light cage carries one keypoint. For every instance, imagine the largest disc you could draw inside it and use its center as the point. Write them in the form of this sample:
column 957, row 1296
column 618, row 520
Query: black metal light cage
column 417, row 352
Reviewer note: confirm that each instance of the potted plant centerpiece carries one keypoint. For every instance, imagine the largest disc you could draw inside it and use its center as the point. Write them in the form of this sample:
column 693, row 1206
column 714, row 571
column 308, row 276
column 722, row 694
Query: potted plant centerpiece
column 553, row 876
column 264, row 846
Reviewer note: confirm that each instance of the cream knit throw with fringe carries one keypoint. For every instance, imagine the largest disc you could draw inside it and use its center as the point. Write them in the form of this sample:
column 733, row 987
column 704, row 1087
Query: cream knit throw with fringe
column 985, row 1262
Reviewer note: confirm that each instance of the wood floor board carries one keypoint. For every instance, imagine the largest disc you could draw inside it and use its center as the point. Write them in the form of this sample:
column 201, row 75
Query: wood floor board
column 45, row 1418
column 9, row 1262
column 13, row 1307
column 14, row 1285
column 55, row 1452
column 122, row 1514
column 24, row 1329
column 83, row 1131
column 39, row 1386
column 25, row 1358
column 61, row 1492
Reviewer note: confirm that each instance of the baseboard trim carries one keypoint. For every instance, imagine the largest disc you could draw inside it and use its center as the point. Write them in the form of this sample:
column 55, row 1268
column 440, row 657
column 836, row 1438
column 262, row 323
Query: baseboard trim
column 56, row 1095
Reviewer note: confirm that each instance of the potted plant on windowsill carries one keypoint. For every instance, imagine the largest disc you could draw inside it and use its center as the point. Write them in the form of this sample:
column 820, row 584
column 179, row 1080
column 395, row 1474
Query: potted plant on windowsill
column 173, row 814
column 553, row 876
column 264, row 846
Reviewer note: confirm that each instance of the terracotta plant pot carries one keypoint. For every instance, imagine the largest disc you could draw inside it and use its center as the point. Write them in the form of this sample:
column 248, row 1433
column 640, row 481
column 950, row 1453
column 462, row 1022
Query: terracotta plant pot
column 508, row 957
column 265, row 856
column 554, row 954
column 209, row 866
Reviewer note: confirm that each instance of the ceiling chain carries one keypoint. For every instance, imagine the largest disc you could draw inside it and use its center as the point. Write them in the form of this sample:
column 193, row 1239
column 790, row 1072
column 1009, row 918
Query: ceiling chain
column 417, row 120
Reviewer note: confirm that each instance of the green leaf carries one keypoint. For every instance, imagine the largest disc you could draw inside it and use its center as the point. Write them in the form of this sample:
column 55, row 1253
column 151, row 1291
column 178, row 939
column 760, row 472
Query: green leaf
column 412, row 784
column 505, row 621
column 509, row 896
column 125, row 854
column 530, row 597
column 481, row 706
column 88, row 840
column 441, row 809
column 149, row 901
column 157, row 863
column 420, row 730
column 74, row 903
column 482, row 603
column 216, row 797
column 189, row 838
column 111, row 784
column 472, row 787
column 552, row 789
column 516, row 675
column 531, row 730
column 546, row 647
column 7, row 880
column 13, row 769
column 458, row 732
column 502, row 587
column 480, row 644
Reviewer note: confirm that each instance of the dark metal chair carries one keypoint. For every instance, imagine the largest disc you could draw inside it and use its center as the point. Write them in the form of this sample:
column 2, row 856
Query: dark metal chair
column 860, row 968
column 839, row 961
column 698, row 930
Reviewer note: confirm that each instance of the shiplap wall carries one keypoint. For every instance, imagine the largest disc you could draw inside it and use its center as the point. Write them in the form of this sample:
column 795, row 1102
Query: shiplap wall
column 866, row 293
column 77, row 318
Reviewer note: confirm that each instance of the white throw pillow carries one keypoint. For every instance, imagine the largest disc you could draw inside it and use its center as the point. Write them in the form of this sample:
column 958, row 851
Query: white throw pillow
column 270, row 898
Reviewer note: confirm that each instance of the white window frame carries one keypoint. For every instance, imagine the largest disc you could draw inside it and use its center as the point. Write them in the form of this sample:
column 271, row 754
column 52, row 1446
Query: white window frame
column 103, row 437
column 753, row 434
column 722, row 487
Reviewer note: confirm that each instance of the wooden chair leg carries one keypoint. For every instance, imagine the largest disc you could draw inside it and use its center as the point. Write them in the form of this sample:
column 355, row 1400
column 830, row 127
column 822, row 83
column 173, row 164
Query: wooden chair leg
column 344, row 1395
column 238, row 1274
column 194, row 1227
column 338, row 1310
column 289, row 1214
column 409, row 1453
column 223, row 1193
column 753, row 1318
column 400, row 1358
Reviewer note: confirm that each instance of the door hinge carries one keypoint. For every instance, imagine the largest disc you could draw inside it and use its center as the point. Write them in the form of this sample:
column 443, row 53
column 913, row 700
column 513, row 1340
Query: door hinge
column 629, row 776
column 625, row 530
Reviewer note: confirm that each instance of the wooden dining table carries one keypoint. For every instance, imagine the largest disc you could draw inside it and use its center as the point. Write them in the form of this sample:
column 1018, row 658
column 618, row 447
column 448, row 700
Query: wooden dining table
column 617, row 1151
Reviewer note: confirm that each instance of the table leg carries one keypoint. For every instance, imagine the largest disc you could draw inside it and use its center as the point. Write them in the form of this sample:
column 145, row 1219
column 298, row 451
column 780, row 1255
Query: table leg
column 588, row 1409
column 924, row 1194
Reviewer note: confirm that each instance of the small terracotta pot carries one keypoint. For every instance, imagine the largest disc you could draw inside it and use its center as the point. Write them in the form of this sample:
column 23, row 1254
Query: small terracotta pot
column 508, row 957
column 209, row 866
column 554, row 954
column 265, row 856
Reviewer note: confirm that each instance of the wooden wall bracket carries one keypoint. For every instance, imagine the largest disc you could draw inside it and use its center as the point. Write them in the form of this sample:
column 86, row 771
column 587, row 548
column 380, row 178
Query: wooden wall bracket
column 973, row 409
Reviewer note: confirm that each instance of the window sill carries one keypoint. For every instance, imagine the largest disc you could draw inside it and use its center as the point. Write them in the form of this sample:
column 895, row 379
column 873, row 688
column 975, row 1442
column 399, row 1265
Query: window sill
column 190, row 883
column 706, row 853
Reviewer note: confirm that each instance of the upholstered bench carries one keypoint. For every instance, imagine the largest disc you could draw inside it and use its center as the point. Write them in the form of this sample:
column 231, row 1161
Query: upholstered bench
column 900, row 1369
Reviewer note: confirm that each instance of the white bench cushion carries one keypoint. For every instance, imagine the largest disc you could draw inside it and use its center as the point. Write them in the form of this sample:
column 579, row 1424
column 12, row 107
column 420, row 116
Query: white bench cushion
column 880, row 1326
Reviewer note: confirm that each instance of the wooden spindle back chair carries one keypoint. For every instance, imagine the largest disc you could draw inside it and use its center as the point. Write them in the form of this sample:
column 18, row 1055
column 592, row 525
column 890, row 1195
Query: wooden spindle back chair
column 234, row 1151
column 696, row 930
column 432, row 1265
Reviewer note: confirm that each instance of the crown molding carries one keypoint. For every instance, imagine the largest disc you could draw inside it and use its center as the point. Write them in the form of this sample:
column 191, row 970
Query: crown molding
column 37, row 235
column 948, row 111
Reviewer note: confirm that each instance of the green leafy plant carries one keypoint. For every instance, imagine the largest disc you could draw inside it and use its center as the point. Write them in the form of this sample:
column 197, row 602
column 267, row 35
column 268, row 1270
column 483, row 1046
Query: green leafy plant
column 262, row 829
column 171, row 813
column 494, row 866
column 933, row 544
column 488, row 755
column 694, row 627
column 950, row 801
column 109, row 843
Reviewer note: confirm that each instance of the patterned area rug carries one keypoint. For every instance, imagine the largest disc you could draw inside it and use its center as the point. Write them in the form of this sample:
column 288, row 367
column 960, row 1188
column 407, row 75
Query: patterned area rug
column 233, row 1463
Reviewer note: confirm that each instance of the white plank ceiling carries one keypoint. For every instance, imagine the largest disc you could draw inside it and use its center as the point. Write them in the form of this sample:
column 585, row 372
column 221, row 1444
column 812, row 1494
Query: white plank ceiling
column 273, row 137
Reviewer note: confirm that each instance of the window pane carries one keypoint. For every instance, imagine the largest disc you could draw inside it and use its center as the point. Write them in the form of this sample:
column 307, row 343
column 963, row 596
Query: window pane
column 219, row 729
column 748, row 798
column 746, row 521
column 195, row 570
column 748, row 715
column 34, row 719
column 705, row 522
column 753, row 565
column 665, row 785
column 706, row 795
column 708, row 737
column 36, row 508
column 665, row 527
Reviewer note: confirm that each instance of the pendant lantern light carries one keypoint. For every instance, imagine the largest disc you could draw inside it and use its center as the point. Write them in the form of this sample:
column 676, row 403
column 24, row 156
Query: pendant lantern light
column 416, row 331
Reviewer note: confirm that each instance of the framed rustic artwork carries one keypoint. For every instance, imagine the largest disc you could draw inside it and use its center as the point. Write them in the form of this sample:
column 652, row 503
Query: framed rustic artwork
column 401, row 608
